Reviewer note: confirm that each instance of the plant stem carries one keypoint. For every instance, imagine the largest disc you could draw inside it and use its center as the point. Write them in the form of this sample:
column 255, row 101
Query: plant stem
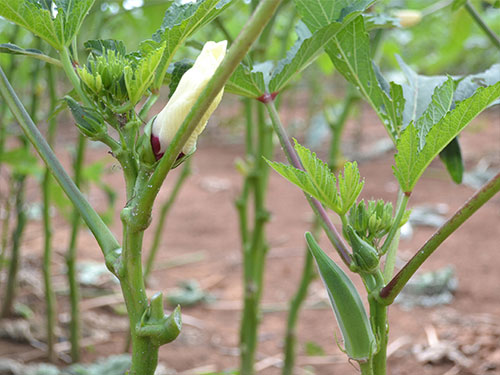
column 400, row 211
column 50, row 297
column 392, row 289
column 234, row 56
column 107, row 242
column 380, row 326
column 308, row 274
column 255, row 249
column 392, row 248
column 480, row 22
column 318, row 209
column 11, row 285
column 74, row 293
column 186, row 171
column 7, row 308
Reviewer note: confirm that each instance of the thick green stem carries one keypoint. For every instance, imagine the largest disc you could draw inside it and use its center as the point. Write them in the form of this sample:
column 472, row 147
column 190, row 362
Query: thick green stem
column 255, row 249
column 380, row 326
column 483, row 195
column 160, row 228
column 480, row 22
column 366, row 368
column 50, row 298
column 74, row 293
column 308, row 274
column 319, row 210
column 102, row 233
column 234, row 56
column 144, row 351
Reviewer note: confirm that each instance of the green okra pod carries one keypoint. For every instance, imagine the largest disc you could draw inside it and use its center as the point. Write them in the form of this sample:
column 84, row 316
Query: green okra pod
column 359, row 340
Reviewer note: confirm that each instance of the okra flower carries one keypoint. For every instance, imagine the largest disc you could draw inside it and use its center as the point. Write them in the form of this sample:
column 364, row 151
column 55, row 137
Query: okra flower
column 192, row 83
column 408, row 17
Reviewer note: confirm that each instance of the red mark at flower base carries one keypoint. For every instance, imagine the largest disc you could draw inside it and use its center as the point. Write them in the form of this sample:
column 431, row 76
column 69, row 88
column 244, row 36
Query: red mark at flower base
column 155, row 144
column 267, row 98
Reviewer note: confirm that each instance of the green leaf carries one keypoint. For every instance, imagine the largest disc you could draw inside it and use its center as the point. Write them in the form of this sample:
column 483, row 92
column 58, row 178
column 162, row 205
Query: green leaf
column 350, row 186
column 246, row 83
column 303, row 52
column 411, row 162
column 299, row 178
column 321, row 177
column 350, row 53
column 451, row 156
column 70, row 16
column 32, row 16
column 180, row 22
column 317, row 14
column 31, row 52
column 440, row 104
column 138, row 79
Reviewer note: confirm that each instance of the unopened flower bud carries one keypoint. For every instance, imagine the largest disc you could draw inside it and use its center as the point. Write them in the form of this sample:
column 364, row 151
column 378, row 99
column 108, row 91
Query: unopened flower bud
column 192, row 83
column 408, row 17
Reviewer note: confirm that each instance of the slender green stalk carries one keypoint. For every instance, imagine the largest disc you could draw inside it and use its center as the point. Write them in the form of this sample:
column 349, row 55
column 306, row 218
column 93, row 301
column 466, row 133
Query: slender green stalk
column 400, row 211
column 11, row 285
column 103, row 235
column 480, row 22
column 392, row 248
column 4, row 240
column 150, row 101
column 74, row 294
column 20, row 179
column 50, row 298
column 318, row 209
column 160, row 228
column 255, row 249
column 392, row 289
column 366, row 368
column 378, row 318
column 234, row 56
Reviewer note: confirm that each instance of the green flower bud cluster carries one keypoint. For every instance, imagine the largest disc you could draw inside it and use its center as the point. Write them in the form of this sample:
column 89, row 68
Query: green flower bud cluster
column 103, row 77
column 373, row 220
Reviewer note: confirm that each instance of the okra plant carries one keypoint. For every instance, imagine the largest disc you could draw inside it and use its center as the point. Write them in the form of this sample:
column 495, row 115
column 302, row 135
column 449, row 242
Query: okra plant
column 107, row 90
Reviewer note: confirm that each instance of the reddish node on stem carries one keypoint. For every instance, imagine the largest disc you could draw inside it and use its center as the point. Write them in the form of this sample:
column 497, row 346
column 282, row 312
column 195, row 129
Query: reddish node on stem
column 267, row 98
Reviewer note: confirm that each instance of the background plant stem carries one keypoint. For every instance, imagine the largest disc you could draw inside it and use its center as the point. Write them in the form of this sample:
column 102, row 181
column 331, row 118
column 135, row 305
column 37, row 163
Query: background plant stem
column 256, row 247
column 20, row 182
column 392, row 289
column 50, row 297
column 480, row 22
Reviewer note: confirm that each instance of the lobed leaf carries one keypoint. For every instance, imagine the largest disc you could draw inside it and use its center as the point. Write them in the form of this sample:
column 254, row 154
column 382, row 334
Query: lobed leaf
column 138, row 79
column 350, row 186
column 411, row 161
column 247, row 83
column 350, row 53
column 440, row 104
column 321, row 177
column 317, row 14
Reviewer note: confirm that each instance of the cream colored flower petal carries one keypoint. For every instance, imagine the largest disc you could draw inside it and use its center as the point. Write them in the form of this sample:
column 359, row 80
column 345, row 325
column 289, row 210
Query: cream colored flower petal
column 190, row 86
